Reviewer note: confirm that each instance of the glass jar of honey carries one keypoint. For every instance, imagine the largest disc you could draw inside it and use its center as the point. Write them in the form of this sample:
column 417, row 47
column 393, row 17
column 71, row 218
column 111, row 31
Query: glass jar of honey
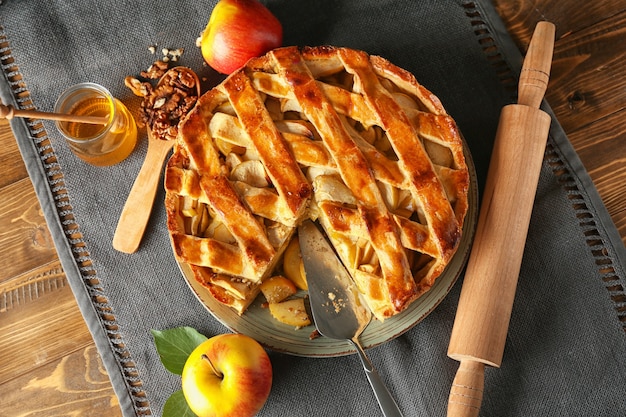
column 97, row 144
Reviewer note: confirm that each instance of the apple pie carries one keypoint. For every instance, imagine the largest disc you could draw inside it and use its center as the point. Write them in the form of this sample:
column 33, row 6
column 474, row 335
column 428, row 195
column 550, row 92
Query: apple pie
column 332, row 134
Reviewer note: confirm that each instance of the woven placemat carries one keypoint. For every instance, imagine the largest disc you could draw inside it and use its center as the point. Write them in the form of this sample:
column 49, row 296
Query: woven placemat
column 566, row 338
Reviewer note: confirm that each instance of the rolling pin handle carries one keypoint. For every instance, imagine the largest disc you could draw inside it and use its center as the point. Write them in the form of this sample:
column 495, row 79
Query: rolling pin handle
column 466, row 394
column 535, row 74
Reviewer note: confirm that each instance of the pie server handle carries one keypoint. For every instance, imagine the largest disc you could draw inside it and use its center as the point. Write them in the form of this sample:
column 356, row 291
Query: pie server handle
column 387, row 404
column 486, row 301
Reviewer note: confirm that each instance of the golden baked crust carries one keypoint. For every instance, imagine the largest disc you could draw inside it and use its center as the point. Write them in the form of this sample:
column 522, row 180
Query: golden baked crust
column 326, row 133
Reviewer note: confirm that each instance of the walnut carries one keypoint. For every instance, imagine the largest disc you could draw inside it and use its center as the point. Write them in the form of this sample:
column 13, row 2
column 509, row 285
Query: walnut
column 170, row 100
column 173, row 98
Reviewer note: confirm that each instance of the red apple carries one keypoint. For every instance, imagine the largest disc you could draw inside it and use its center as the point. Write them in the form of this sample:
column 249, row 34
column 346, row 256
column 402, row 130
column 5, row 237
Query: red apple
column 226, row 376
column 237, row 31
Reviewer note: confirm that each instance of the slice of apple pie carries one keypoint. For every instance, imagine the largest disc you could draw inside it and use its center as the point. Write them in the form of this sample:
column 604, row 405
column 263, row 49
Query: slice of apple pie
column 327, row 133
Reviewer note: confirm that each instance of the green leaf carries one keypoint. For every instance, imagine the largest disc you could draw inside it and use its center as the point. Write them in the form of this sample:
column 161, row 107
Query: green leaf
column 175, row 345
column 176, row 406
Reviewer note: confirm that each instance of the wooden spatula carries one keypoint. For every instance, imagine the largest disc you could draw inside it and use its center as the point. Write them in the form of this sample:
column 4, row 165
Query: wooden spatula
column 484, row 310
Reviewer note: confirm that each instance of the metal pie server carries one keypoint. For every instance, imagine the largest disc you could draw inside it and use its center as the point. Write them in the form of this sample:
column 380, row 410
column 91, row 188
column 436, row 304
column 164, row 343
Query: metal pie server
column 337, row 309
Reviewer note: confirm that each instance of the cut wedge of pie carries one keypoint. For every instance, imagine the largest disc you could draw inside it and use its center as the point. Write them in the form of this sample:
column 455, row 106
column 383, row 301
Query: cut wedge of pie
column 332, row 134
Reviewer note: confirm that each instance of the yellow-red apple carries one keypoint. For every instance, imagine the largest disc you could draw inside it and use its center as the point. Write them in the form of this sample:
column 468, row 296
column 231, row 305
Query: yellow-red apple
column 237, row 31
column 226, row 376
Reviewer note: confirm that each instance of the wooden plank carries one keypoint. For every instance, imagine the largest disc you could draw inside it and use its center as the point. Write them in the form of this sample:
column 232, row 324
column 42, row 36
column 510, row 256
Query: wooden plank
column 27, row 238
column 521, row 16
column 590, row 47
column 11, row 164
column 601, row 149
column 40, row 323
column 19, row 290
column 73, row 385
column 595, row 53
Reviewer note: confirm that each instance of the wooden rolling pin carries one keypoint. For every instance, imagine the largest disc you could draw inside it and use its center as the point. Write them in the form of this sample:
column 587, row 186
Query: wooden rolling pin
column 486, row 301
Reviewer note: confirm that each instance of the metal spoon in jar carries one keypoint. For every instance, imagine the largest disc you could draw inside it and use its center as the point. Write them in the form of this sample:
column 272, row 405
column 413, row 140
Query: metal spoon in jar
column 136, row 212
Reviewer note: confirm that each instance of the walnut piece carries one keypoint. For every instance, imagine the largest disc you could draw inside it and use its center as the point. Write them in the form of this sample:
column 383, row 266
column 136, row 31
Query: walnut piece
column 139, row 88
column 156, row 70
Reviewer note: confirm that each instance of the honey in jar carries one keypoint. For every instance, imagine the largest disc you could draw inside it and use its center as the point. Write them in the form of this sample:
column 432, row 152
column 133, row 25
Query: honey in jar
column 99, row 145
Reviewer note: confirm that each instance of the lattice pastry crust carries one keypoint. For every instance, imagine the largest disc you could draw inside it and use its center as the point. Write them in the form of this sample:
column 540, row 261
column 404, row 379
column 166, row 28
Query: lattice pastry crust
column 326, row 133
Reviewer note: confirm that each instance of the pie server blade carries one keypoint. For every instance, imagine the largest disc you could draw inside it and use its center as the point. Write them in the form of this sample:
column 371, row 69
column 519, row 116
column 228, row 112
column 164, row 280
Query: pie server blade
column 337, row 309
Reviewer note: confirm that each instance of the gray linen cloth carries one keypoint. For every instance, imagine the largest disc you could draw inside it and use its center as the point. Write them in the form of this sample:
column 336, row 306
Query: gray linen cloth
column 565, row 353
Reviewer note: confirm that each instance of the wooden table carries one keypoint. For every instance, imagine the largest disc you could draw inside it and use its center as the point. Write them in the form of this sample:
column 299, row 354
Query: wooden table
column 45, row 371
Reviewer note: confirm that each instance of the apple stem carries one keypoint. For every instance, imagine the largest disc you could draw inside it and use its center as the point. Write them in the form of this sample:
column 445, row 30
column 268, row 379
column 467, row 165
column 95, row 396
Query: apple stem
column 215, row 371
